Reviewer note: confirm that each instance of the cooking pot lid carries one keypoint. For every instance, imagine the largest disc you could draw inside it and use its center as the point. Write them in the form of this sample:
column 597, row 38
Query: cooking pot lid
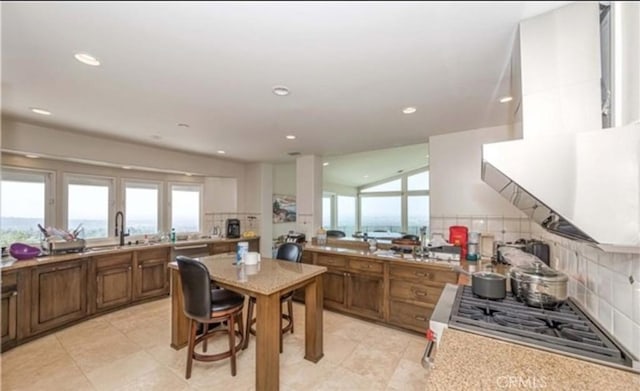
column 541, row 271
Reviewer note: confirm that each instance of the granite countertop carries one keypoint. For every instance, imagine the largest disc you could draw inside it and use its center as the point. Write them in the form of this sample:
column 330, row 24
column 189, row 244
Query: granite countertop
column 468, row 361
column 9, row 263
column 381, row 255
column 267, row 277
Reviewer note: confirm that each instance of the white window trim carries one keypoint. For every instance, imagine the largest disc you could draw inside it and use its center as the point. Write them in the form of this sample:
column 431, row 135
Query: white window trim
column 10, row 172
column 85, row 179
column 142, row 183
column 186, row 185
column 404, row 194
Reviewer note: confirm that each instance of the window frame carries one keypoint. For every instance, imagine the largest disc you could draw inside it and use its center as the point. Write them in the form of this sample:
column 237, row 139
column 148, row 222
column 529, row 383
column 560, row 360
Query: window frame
column 404, row 195
column 143, row 182
column 169, row 210
column 49, row 188
column 88, row 179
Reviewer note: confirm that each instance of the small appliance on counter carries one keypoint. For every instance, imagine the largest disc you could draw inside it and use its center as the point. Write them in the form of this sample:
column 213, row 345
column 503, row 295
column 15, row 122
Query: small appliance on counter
column 54, row 247
column 446, row 253
column 233, row 228
column 458, row 236
column 293, row 237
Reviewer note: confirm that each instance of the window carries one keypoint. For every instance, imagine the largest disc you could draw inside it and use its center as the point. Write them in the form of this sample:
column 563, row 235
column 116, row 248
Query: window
column 399, row 205
column 381, row 214
column 24, row 205
column 326, row 212
column 387, row 186
column 346, row 211
column 89, row 202
column 142, row 201
column 186, row 201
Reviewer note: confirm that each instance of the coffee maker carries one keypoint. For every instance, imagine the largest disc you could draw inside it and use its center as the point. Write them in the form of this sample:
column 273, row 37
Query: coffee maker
column 233, row 228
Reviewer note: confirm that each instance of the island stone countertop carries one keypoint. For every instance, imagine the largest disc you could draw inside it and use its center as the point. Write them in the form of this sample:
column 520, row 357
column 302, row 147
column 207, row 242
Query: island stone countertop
column 467, row 361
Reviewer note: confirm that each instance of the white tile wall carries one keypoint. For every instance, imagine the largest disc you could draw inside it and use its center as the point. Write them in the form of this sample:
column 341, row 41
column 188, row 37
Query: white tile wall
column 502, row 229
column 607, row 284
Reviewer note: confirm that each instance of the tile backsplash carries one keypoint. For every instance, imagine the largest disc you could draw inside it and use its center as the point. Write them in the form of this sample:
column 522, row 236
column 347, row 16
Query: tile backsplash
column 607, row 285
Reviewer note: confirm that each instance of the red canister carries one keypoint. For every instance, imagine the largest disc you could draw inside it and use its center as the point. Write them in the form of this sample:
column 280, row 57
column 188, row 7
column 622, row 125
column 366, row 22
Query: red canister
column 458, row 236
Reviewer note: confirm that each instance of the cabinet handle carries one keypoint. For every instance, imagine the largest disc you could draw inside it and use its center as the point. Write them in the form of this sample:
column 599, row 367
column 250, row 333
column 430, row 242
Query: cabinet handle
column 420, row 293
column 139, row 266
column 368, row 266
column 129, row 267
column 14, row 293
column 421, row 318
column 421, row 274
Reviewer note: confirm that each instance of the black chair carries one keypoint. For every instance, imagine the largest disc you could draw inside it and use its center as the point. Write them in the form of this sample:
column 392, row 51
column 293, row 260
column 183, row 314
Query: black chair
column 207, row 306
column 335, row 234
column 291, row 252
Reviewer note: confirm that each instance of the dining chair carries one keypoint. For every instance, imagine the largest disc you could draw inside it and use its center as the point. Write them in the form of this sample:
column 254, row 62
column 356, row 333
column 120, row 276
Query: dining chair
column 291, row 252
column 205, row 305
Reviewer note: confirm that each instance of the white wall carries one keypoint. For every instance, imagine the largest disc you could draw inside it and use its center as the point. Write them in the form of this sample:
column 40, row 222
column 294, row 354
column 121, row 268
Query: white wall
column 308, row 194
column 62, row 144
column 456, row 187
column 560, row 53
column 628, row 98
column 220, row 195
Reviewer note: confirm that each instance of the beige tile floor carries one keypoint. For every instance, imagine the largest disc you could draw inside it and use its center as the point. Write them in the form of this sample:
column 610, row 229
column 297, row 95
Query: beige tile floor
column 129, row 350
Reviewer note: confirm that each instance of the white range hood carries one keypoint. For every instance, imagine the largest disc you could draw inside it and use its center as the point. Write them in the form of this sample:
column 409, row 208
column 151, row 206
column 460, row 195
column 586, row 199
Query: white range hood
column 584, row 186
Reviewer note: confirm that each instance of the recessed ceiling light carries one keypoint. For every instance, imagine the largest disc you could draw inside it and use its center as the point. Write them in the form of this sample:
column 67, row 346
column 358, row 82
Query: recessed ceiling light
column 32, row 156
column 221, row 152
column 325, row 164
column 40, row 111
column 88, row 59
column 291, row 137
column 409, row 110
column 280, row 90
column 156, row 137
column 506, row 99
column 365, row 176
column 182, row 125
column 126, row 167
column 187, row 173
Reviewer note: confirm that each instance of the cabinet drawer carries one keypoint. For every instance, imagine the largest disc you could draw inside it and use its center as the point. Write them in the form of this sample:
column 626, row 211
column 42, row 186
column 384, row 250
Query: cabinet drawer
column 221, row 248
column 365, row 265
column 328, row 260
column 404, row 290
column 9, row 280
column 410, row 316
column 156, row 253
column 423, row 274
column 105, row 261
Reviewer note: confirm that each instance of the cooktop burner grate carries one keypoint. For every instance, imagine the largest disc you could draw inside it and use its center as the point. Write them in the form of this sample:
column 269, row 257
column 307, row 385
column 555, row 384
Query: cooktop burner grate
column 563, row 329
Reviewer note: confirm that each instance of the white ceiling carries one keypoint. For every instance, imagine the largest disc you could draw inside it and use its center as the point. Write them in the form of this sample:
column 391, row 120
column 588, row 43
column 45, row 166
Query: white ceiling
column 351, row 68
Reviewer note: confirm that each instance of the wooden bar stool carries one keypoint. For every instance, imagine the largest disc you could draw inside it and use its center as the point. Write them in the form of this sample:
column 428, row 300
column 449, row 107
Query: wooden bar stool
column 205, row 305
column 287, row 252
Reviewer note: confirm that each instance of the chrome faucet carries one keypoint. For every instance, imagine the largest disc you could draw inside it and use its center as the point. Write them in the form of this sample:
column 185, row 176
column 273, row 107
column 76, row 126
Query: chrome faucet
column 121, row 232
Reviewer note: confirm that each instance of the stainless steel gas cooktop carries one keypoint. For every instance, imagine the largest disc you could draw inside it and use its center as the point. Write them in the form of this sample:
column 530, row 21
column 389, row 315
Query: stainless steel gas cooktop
column 566, row 330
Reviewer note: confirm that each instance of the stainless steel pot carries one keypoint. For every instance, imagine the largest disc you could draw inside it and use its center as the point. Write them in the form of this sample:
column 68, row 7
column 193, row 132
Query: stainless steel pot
column 489, row 285
column 539, row 286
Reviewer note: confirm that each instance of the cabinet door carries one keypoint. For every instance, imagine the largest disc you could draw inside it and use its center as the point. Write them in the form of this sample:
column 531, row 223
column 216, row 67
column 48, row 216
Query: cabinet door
column 222, row 247
column 58, row 294
column 114, row 286
column 9, row 316
column 334, row 289
column 365, row 295
column 151, row 273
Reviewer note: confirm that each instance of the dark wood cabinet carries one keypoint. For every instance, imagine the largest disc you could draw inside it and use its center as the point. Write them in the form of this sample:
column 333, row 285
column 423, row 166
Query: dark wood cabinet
column 9, row 314
column 114, row 280
column 307, row 257
column 58, row 294
column 414, row 292
column 365, row 294
column 151, row 275
column 230, row 247
column 334, row 287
